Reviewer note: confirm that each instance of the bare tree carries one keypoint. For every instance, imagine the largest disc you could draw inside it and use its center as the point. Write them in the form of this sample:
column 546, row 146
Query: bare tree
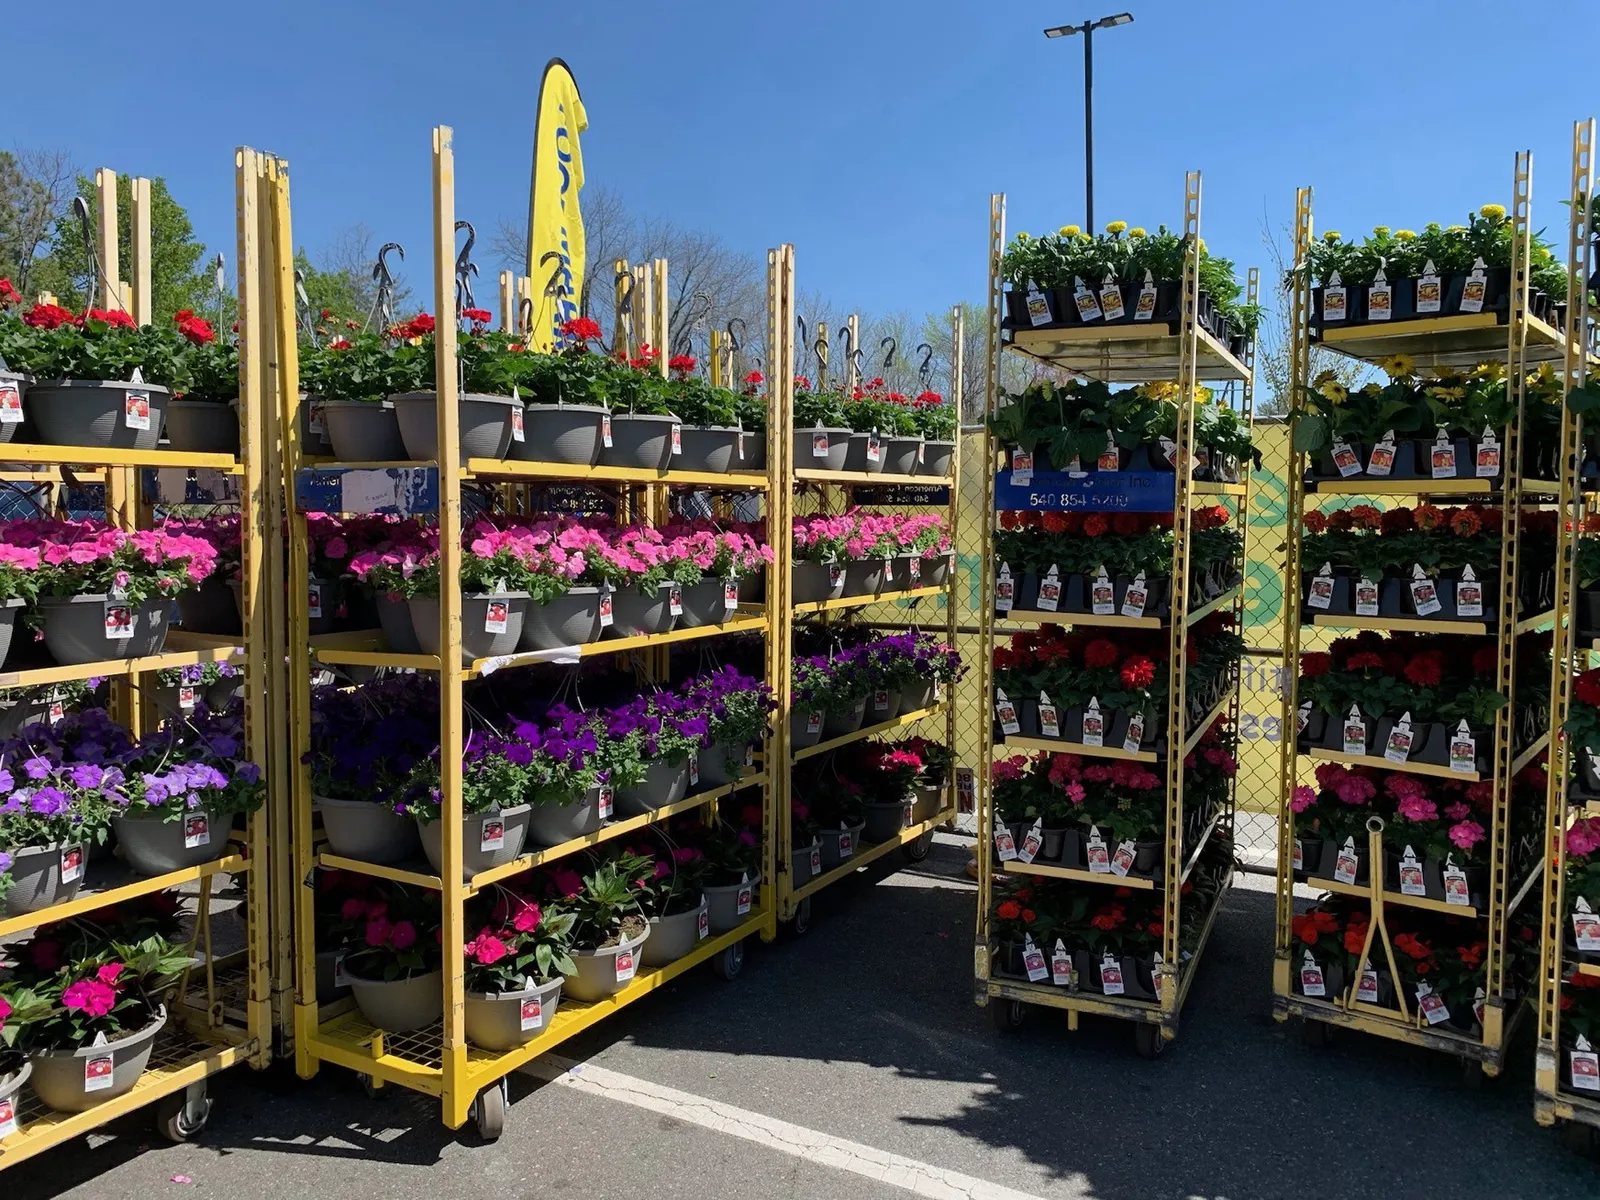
column 608, row 233
column 36, row 187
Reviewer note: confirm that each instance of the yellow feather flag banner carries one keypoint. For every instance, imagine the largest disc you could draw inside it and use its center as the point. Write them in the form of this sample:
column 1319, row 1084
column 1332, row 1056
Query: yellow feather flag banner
column 555, row 222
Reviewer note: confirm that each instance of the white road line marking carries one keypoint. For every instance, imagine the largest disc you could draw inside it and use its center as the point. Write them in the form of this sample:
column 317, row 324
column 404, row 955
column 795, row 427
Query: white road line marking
column 918, row 1178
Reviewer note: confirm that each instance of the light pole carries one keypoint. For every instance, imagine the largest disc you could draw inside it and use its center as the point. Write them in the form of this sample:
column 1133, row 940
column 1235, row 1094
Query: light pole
column 1087, row 29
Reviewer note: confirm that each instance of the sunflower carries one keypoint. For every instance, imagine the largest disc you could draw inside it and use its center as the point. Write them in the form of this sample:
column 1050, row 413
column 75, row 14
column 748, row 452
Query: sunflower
column 1333, row 391
column 1399, row 366
column 1491, row 372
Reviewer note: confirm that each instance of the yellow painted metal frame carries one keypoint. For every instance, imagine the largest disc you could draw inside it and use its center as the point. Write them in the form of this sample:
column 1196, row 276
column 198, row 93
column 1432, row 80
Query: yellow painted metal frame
column 439, row 1061
column 1568, row 656
column 831, row 487
column 1442, row 341
column 207, row 1032
column 1118, row 354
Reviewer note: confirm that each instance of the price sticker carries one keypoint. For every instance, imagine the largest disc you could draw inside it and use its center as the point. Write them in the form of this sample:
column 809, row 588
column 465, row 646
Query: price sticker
column 1463, row 751
column 1366, row 597
column 1585, row 1064
column 745, row 896
column 1134, row 738
column 1006, row 713
column 1346, row 459
column 1005, row 589
column 1488, row 456
column 702, row 924
column 1411, row 883
column 1136, row 597
column 1033, row 961
column 1111, row 299
column 813, row 722
column 196, row 830
column 1380, row 298
column 880, row 701
column 518, row 432
column 1102, row 595
column 625, row 964
column 1398, row 747
column 1475, row 288
column 1122, row 860
column 10, row 402
column 675, row 600
column 1110, row 976
column 608, row 801
column 56, row 712
column 677, row 439
column 730, row 594
column 819, row 444
column 1031, row 841
column 816, row 856
column 914, row 564
column 532, row 1015
column 1335, row 300
column 71, row 863
column 1367, row 989
column 136, row 410
column 1094, row 724
column 1050, row 589
column 607, row 613
column 1021, row 467
column 1038, row 306
column 1469, row 594
column 1346, row 865
column 1049, row 716
column 1110, row 457
column 186, row 697
column 1432, row 1005
column 874, row 447
column 1299, row 856
column 1088, row 304
column 98, row 1073
column 694, row 770
column 1321, row 595
column 1099, row 857
column 1381, row 461
column 1061, row 966
column 835, row 574
column 605, row 430
column 314, row 600
column 846, row 843
column 1145, row 308
column 495, row 615
column 1430, row 291
column 118, row 620
column 1355, row 731
column 1442, row 455
column 1312, row 982
column 1455, row 883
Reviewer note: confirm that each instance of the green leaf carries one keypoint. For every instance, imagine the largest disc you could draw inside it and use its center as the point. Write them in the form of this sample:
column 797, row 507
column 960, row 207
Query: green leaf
column 1310, row 433
column 1583, row 399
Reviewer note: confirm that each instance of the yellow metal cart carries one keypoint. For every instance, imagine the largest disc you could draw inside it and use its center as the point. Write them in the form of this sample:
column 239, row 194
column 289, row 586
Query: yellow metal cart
column 221, row 1014
column 438, row 1060
column 1520, row 340
column 1187, row 353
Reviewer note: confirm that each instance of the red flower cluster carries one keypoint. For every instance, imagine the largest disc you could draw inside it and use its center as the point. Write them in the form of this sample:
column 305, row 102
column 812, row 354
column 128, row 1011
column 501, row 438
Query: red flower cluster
column 1138, row 672
column 1213, row 517
column 580, row 329
column 48, row 316
column 1587, row 687
column 681, row 363
column 8, row 293
column 419, row 326
column 194, row 329
column 478, row 316
column 1309, row 927
column 923, row 400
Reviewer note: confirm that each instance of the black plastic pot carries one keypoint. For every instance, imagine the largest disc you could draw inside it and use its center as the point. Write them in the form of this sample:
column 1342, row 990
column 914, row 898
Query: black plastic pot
column 1497, row 283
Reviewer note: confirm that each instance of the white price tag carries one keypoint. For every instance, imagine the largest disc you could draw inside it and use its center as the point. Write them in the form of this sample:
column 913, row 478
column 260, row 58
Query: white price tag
column 1442, row 455
column 1033, row 961
column 1381, row 461
column 1475, row 287
column 1005, row 589
column 1088, row 304
column 914, row 563
column 625, row 964
column 1122, row 860
column 846, row 843
column 1585, row 926
column 1021, row 467
column 1430, row 292
column 1050, row 590
column 1145, row 309
column 492, row 833
column 186, row 697
column 880, row 701
column 608, row 801
column 1102, row 595
column 1110, row 457
column 813, row 722
column 702, row 925
column 1111, row 976
column 518, row 432
column 1311, row 978
column 341, row 977
column 71, row 863
column 1367, row 990
column 874, row 447
column 745, row 898
column 1094, row 724
column 10, row 402
column 1346, row 459
column 1334, row 300
column 532, row 1014
column 677, row 439
column 1321, row 596
column 196, row 831
column 1355, row 732
column 314, row 600
column 8, row 1118
column 1031, row 841
column 1398, row 748
column 1463, row 751
column 1455, row 884
column 119, row 620
column 1347, row 864
column 98, row 1073
column 1411, row 883
column 1061, row 966
column 819, row 444
column 675, row 600
column 1585, row 1064
column 1135, row 735
column 607, row 607
column 605, row 430
column 1469, row 594
column 1099, row 857
column 1366, row 597
column 1004, row 844
column 1380, row 298
column 730, row 594
column 1136, row 597
column 1488, row 456
column 816, row 856
column 1299, row 856
column 1049, row 717
column 694, row 770
column 1432, row 1005
column 136, row 410
column 1038, row 307
column 1111, row 299
column 495, row 615
column 1006, row 713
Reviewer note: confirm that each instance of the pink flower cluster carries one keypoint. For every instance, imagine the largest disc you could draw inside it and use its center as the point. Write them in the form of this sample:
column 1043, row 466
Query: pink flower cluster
column 1583, row 839
column 859, row 535
column 64, row 549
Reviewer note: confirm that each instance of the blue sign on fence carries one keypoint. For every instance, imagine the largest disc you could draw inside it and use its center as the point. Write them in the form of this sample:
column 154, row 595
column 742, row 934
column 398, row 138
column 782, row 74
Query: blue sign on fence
column 406, row 491
column 1098, row 491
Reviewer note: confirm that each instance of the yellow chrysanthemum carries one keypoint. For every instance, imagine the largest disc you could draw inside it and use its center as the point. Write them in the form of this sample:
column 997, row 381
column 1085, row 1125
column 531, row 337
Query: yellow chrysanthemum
column 1380, row 231
column 1084, row 237
column 1116, row 227
column 1202, row 245
column 1331, row 235
column 1137, row 231
column 1399, row 366
column 1021, row 236
column 1455, row 228
column 1405, row 235
column 1493, row 212
column 1069, row 231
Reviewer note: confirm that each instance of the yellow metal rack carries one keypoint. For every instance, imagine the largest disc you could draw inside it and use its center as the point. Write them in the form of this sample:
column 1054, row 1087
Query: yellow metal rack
column 833, row 492
column 438, row 1060
column 1556, row 1096
column 222, row 1011
column 1186, row 353
column 1521, row 341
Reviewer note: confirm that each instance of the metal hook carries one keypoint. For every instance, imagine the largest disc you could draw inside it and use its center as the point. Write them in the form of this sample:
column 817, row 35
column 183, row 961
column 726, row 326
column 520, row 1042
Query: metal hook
column 849, row 342
column 465, row 269
column 696, row 313
column 805, row 335
column 925, row 367
column 525, row 315
column 888, row 359
column 625, row 305
column 555, row 287
column 736, row 342
column 383, row 302
column 857, row 357
column 821, row 351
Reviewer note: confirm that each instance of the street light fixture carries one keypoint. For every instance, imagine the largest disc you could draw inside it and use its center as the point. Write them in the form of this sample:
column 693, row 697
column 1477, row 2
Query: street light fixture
column 1087, row 29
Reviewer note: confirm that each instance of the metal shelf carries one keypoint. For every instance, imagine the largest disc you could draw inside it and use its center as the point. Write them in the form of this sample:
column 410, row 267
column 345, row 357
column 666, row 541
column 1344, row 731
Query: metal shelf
column 815, row 606
column 1364, row 486
column 1056, row 746
column 1383, row 764
column 867, row 731
column 182, row 650
column 1390, row 1023
column 868, row 854
column 1138, row 353
column 89, row 901
column 1540, row 745
column 1391, row 897
column 1462, row 340
column 495, row 468
column 808, row 475
column 1114, row 621
column 1079, row 874
column 105, row 456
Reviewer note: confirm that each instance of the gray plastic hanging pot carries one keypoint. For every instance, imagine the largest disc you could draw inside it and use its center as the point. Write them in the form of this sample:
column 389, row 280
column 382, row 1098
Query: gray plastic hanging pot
column 484, row 424
column 477, row 639
column 363, row 431
column 203, row 426
column 90, row 412
column 76, row 630
column 560, row 433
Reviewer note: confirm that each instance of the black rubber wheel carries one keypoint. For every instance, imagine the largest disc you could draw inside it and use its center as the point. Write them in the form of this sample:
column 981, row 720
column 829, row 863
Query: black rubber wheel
column 917, row 849
column 799, row 924
column 174, row 1124
column 489, row 1111
column 371, row 1087
column 1147, row 1040
column 730, row 962
column 1007, row 1015
column 1578, row 1137
column 1316, row 1033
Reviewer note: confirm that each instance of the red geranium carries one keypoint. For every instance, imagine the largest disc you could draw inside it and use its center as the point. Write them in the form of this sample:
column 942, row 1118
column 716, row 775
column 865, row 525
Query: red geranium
column 1100, row 653
column 478, row 316
column 755, row 377
column 1009, row 910
column 1587, row 687
column 110, row 317
column 1315, row 663
column 1071, row 522
column 1094, row 525
column 1425, row 670
column 1397, row 520
column 1125, row 524
column 682, row 363
column 1315, row 521
column 581, row 329
column 1365, row 660
column 1055, row 522
column 48, row 316
column 196, row 330
column 8, row 293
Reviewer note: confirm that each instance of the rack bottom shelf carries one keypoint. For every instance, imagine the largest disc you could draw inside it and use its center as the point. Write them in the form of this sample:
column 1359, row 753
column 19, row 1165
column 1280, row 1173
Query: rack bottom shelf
column 867, row 854
column 180, row 1057
column 1382, row 1023
column 414, row 1060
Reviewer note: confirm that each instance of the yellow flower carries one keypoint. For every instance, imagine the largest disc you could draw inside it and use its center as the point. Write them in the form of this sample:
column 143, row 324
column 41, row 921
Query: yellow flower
column 1405, row 235
column 1540, row 253
column 1163, row 390
column 1202, row 395
column 1380, row 231
column 1021, row 237
column 1202, row 245
column 1447, row 393
column 1333, row 390
column 1331, row 235
column 1069, row 231
column 1084, row 237
column 1373, row 390
column 1455, row 228
column 1493, row 212
column 1116, row 227
column 1399, row 366
column 1137, row 231
column 1493, row 372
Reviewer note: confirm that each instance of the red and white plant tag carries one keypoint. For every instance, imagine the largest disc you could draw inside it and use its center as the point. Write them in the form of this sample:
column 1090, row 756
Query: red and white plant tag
column 1094, row 724
column 1005, row 846
column 1135, row 735
column 813, row 722
column 1005, row 712
column 1381, row 461
column 846, row 844
column 677, row 439
column 1099, row 858
column 98, row 1072
column 607, row 607
column 625, row 964
column 1031, row 841
column 1476, row 287
column 1102, row 595
column 71, row 863
column 1156, row 962
column 495, row 615
column 1355, row 732
column 1061, row 966
column 8, row 1117
column 608, row 800
column 1430, row 291
column 1312, row 981
column 1021, row 467
column 1433, row 1007
column 1299, row 856
column 532, row 1014
column 1366, row 597
column 1442, row 455
column 196, row 830
column 1463, row 750
column 56, row 712
column 1398, row 747
column 730, row 593
column 1585, row 926
column 10, row 402
column 315, row 424
column 874, row 447
column 136, row 410
column 694, row 770
column 1585, row 1064
column 922, row 453
column 1469, row 594
column 880, row 701
column 341, row 977
column 1005, row 589
column 1424, row 592
column 819, row 442
column 1111, row 298
column 966, row 790
column 1321, row 588
column 702, row 924
column 914, row 563
column 1122, row 860
column 492, row 833
column 675, row 600
column 1136, row 597
column 816, row 856
column 1145, row 308
column 1347, row 864
column 1050, row 589
column 1411, row 883
column 1380, row 297
column 1303, row 717
column 835, row 573
column 1033, row 960
column 314, row 600
column 186, row 697
column 1110, row 976
column 1478, row 999
column 1334, row 300
column 605, row 430
column 745, row 897
column 1488, row 455
column 1455, row 883
column 1088, row 304
column 1367, row 990
column 119, row 620
column 1110, row 457
column 518, row 432
column 1049, row 717
column 1346, row 459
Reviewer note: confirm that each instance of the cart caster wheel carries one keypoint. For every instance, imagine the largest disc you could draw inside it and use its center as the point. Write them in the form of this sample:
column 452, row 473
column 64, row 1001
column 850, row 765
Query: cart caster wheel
column 1580, row 1138
column 799, row 924
column 1147, row 1040
column 373, row 1089
column 1007, row 1015
column 179, row 1120
column 917, row 849
column 1316, row 1033
column 489, row 1111
column 730, row 962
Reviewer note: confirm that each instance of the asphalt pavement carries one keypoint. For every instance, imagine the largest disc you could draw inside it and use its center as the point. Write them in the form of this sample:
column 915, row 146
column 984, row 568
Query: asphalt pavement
column 861, row 1041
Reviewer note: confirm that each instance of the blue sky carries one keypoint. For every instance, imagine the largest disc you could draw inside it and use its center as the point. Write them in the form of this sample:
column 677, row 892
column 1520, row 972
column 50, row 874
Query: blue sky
column 868, row 133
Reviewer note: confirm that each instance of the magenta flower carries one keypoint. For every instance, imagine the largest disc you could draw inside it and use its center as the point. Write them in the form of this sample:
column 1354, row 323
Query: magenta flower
column 89, row 996
column 1302, row 799
column 1467, row 834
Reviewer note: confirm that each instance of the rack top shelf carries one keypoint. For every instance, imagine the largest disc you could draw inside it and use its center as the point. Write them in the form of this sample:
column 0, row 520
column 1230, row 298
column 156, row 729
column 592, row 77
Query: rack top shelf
column 1463, row 340
column 1125, row 353
column 105, row 456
